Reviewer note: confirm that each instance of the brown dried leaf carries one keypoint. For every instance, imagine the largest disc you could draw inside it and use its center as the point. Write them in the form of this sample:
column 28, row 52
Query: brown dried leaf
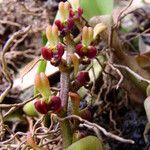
column 144, row 60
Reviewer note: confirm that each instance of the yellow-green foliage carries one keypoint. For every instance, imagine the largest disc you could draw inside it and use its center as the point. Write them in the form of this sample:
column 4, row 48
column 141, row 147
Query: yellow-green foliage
column 87, row 143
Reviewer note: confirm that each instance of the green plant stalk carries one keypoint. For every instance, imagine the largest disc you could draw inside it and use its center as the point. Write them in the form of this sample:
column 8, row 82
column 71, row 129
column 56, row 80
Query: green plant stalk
column 66, row 133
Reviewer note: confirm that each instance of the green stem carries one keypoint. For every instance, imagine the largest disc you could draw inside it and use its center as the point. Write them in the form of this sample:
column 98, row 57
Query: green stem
column 66, row 133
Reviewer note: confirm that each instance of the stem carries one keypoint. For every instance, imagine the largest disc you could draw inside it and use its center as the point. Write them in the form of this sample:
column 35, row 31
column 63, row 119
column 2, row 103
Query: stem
column 65, row 126
column 66, row 133
column 64, row 86
column 64, row 91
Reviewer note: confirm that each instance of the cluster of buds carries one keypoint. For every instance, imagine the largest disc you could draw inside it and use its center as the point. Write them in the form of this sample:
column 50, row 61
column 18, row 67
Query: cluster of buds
column 69, row 13
column 54, row 50
column 86, row 47
column 46, row 103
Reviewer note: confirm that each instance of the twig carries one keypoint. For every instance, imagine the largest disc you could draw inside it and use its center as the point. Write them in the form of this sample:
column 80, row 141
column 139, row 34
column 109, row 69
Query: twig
column 147, row 30
column 119, row 73
column 18, row 41
column 4, row 63
column 137, row 76
column 16, row 106
column 19, row 104
column 113, row 121
column 94, row 125
column 10, row 23
column 120, row 15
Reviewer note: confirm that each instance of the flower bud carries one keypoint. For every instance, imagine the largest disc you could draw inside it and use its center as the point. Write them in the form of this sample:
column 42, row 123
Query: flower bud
column 84, row 35
column 87, row 36
column 42, row 85
column 79, row 50
column 71, row 14
column 46, row 53
column 64, row 10
column 91, row 53
column 59, row 24
column 83, row 78
column 60, row 49
column 70, row 24
column 79, row 12
column 55, row 104
column 52, row 35
column 41, row 107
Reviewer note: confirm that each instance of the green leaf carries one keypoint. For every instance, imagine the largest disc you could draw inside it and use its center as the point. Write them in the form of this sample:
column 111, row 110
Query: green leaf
column 87, row 143
column 93, row 8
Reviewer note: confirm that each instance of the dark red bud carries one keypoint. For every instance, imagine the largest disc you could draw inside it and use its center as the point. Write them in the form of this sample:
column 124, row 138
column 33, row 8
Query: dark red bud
column 80, row 12
column 41, row 107
column 60, row 49
column 59, row 24
column 71, row 13
column 70, row 24
column 79, row 50
column 91, row 52
column 83, row 78
column 55, row 104
column 46, row 53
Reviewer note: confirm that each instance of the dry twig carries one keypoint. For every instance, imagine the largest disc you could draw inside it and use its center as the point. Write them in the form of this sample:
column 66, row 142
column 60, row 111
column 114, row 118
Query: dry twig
column 118, row 72
column 3, row 60
column 94, row 125
column 137, row 76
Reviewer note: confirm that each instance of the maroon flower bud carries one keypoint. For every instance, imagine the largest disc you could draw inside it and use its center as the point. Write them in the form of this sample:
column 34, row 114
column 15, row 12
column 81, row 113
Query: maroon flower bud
column 79, row 50
column 71, row 13
column 59, row 24
column 55, row 104
column 83, row 78
column 60, row 49
column 70, row 24
column 41, row 107
column 46, row 53
column 80, row 12
column 91, row 52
